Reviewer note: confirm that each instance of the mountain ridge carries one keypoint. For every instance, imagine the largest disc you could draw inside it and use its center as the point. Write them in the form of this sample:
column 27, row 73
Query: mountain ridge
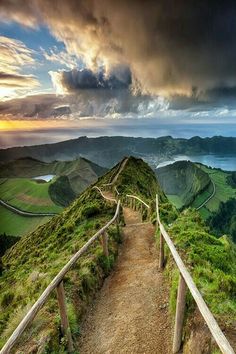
column 107, row 151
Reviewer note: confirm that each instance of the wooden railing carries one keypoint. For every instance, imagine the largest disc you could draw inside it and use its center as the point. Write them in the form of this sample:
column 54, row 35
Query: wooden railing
column 186, row 282
column 57, row 283
column 137, row 203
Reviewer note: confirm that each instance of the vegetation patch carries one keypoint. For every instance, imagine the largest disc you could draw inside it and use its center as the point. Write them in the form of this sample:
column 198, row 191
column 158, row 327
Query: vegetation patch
column 211, row 262
column 61, row 192
column 223, row 221
column 30, row 265
column 18, row 225
column 182, row 181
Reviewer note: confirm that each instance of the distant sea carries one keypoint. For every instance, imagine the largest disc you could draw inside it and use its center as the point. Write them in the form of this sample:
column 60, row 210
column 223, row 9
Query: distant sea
column 225, row 162
column 140, row 127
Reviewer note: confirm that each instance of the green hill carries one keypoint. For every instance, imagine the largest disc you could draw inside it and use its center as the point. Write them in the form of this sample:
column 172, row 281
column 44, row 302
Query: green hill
column 31, row 263
column 191, row 184
column 182, row 182
column 224, row 190
column 81, row 172
column 107, row 151
column 29, row 266
column 19, row 189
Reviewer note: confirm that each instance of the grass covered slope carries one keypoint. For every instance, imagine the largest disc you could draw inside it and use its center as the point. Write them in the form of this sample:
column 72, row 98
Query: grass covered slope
column 224, row 220
column 28, row 195
column 182, row 181
column 17, row 225
column 30, row 265
column 138, row 179
column 81, row 172
column 224, row 189
column 211, row 260
column 21, row 191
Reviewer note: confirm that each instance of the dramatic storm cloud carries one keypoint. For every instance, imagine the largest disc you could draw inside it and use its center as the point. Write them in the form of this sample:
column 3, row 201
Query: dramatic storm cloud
column 170, row 46
column 119, row 77
column 120, row 58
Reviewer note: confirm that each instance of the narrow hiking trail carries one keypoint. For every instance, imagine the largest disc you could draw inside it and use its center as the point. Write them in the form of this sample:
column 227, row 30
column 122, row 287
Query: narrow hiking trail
column 130, row 313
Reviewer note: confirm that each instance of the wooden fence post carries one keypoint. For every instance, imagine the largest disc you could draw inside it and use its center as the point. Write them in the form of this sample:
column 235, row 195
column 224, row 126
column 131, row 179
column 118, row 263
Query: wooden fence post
column 105, row 244
column 65, row 328
column 118, row 223
column 179, row 316
column 162, row 252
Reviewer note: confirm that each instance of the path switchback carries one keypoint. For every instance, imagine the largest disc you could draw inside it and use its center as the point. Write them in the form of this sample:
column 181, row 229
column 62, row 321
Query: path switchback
column 130, row 313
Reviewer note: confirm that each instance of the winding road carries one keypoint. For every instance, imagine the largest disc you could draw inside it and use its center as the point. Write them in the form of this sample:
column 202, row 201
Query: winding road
column 22, row 212
column 209, row 198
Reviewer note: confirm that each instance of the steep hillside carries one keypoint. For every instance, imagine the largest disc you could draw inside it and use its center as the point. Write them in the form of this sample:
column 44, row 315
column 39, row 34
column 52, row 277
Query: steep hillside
column 224, row 219
column 182, row 181
column 29, row 266
column 212, row 263
column 224, row 190
column 19, row 189
column 106, row 151
column 80, row 172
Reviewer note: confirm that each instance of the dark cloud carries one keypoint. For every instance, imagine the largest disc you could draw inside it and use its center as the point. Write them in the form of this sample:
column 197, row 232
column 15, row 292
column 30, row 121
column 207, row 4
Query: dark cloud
column 118, row 78
column 83, row 103
column 169, row 45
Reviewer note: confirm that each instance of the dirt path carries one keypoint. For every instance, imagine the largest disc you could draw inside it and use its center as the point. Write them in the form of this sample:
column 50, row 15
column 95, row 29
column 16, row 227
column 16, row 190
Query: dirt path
column 130, row 314
column 122, row 166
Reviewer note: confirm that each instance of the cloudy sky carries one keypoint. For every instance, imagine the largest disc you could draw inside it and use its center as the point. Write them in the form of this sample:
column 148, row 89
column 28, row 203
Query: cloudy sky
column 86, row 64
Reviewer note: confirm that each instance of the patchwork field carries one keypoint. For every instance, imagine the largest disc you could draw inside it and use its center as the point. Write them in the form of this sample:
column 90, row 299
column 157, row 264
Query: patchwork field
column 28, row 195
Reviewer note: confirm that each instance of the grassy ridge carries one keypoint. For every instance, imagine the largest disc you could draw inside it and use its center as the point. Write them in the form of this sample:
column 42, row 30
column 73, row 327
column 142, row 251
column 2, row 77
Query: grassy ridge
column 30, row 265
column 224, row 190
column 80, row 172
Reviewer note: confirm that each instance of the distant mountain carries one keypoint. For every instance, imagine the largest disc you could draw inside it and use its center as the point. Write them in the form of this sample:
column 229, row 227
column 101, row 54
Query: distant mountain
column 80, row 172
column 107, row 151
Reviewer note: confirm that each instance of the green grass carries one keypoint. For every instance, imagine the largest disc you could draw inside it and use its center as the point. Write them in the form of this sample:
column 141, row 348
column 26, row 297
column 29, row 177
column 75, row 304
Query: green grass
column 30, row 265
column 17, row 225
column 28, row 195
column 202, row 196
column 224, row 191
column 211, row 262
column 176, row 200
column 182, row 181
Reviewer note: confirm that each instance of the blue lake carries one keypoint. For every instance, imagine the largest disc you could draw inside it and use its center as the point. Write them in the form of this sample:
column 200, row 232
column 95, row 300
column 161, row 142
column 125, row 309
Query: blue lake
column 46, row 178
column 225, row 162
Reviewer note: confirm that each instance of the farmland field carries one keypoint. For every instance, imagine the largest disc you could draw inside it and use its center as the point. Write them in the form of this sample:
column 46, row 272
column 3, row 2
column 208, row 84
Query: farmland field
column 28, row 195
column 17, row 225
column 223, row 189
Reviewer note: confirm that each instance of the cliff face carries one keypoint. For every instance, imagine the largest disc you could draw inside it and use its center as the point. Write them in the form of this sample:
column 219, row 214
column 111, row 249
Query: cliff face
column 183, row 179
